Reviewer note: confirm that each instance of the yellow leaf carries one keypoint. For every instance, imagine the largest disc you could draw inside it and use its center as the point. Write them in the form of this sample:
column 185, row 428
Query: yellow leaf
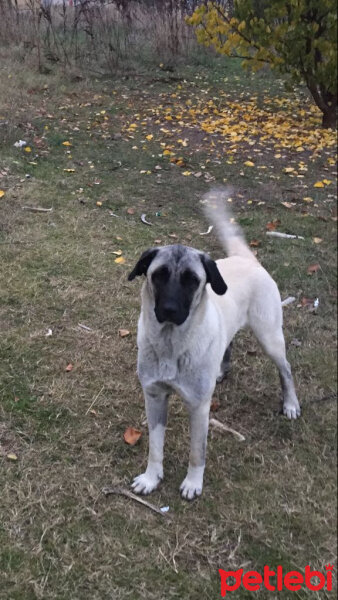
column 288, row 169
column 2, row 193
column 308, row 199
column 69, row 170
column 12, row 456
column 249, row 163
column 120, row 260
column 317, row 240
column 28, row 149
column 149, row 137
column 300, row 149
column 66, row 143
column 186, row 173
column 319, row 184
column 98, row 203
column 327, row 181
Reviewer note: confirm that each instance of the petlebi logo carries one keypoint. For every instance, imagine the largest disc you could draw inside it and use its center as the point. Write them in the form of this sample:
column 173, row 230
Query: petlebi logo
column 276, row 580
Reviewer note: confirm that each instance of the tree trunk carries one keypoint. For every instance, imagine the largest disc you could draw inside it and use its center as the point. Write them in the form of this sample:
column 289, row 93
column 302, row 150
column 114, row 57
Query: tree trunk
column 330, row 117
column 326, row 102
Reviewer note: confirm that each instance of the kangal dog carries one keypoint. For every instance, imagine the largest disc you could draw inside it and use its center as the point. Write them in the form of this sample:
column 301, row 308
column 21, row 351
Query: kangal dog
column 191, row 309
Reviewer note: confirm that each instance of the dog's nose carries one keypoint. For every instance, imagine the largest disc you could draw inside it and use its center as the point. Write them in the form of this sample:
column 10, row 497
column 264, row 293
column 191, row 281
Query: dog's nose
column 169, row 310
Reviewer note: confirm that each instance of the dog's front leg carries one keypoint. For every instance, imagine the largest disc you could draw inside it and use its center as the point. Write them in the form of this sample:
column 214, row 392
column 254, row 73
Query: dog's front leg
column 192, row 485
column 156, row 402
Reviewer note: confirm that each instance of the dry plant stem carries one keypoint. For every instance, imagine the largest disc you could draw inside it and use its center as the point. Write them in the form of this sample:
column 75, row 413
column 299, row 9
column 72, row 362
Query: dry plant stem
column 222, row 427
column 37, row 209
column 122, row 492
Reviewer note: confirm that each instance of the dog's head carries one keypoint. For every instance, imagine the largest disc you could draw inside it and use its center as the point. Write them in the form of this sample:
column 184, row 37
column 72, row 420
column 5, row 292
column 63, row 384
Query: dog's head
column 176, row 278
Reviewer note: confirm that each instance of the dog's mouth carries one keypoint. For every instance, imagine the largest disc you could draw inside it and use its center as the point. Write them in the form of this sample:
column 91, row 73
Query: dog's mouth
column 175, row 318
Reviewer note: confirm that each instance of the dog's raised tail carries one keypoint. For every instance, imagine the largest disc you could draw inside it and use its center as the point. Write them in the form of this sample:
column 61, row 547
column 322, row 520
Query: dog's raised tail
column 216, row 209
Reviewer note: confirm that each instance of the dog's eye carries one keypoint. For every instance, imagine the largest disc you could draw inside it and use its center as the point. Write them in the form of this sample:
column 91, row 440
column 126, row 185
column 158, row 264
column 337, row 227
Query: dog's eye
column 189, row 278
column 161, row 274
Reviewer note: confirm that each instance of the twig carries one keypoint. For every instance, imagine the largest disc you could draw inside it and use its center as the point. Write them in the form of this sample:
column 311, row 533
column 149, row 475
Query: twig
column 284, row 235
column 37, row 209
column 122, row 492
column 222, row 427
column 84, row 327
column 144, row 220
column 210, row 228
column 92, row 404
column 288, row 300
column 332, row 396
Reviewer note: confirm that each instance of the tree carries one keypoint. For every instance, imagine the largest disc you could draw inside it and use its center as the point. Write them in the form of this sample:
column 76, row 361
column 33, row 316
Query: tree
column 297, row 37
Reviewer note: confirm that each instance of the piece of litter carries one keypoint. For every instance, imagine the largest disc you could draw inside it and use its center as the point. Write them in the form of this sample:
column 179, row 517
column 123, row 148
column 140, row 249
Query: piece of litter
column 144, row 220
column 210, row 228
column 113, row 214
column 84, row 327
column 164, row 509
column 12, row 456
column 284, row 235
column 49, row 333
column 20, row 144
column 316, row 303
column 288, row 300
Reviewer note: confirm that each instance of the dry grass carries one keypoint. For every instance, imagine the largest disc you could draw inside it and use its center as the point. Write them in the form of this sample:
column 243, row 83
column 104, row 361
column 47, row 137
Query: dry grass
column 268, row 500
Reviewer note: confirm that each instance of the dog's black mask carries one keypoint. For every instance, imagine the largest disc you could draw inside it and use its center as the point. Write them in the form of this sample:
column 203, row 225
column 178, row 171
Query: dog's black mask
column 175, row 283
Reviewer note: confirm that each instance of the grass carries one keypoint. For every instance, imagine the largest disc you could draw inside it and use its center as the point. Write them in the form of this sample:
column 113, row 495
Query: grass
column 269, row 500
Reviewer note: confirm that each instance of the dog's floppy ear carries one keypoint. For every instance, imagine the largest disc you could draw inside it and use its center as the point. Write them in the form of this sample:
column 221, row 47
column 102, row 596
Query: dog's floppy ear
column 214, row 277
column 143, row 263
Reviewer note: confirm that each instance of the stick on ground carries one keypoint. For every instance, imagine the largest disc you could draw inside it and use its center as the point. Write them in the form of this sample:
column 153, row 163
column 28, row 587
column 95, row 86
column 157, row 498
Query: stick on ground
column 122, row 492
column 222, row 427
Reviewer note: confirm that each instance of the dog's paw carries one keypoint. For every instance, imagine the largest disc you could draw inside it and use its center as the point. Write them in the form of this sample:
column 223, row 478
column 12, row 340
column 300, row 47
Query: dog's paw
column 145, row 483
column 291, row 410
column 190, row 489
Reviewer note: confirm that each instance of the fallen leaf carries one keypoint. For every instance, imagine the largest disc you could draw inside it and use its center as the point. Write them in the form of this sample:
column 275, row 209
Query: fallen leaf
column 308, row 199
column 117, row 252
column 255, row 243
column 249, row 163
column 12, row 456
column 149, row 137
column 287, row 204
column 98, row 203
column 120, row 260
column 2, row 193
column 317, row 240
column 157, row 241
column 318, row 184
column 313, row 268
column 131, row 436
column 123, row 333
column 271, row 226
column 130, row 211
column 28, row 149
column 69, row 170
column 66, row 143
column 306, row 302
column 186, row 173
column 215, row 406
column 69, row 367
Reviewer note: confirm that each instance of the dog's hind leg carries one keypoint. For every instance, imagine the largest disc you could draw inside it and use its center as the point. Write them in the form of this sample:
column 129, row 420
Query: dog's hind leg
column 225, row 364
column 156, row 401
column 273, row 344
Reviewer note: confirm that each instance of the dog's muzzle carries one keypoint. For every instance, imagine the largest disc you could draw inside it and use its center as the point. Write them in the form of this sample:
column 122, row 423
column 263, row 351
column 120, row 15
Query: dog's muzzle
column 170, row 313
